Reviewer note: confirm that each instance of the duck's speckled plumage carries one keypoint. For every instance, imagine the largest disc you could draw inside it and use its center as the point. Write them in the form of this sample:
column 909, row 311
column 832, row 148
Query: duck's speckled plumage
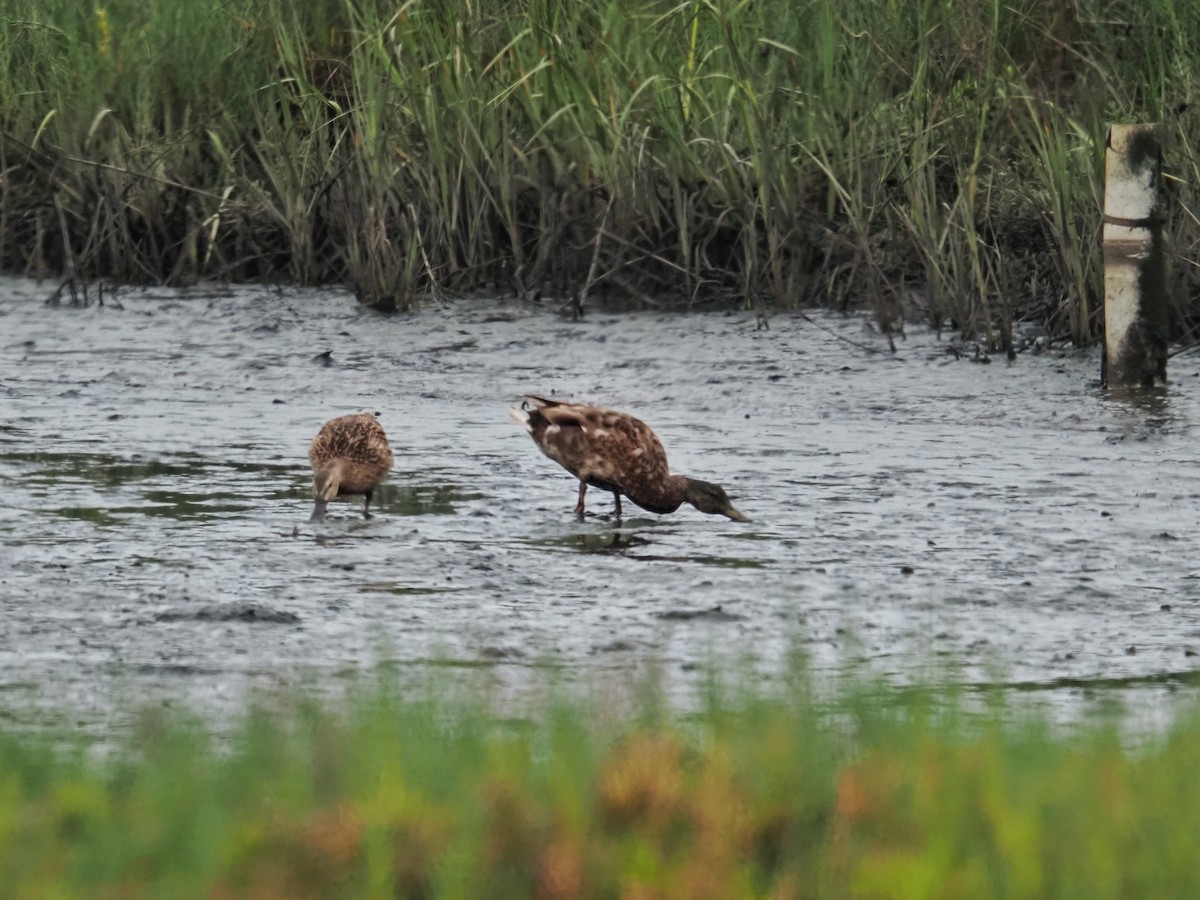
column 616, row 452
column 349, row 455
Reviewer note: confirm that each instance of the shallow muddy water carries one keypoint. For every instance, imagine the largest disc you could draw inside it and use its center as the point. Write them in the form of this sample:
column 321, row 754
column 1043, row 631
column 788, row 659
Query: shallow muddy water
column 915, row 516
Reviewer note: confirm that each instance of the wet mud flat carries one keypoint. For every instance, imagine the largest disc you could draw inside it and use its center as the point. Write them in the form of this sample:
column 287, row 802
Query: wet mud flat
column 918, row 516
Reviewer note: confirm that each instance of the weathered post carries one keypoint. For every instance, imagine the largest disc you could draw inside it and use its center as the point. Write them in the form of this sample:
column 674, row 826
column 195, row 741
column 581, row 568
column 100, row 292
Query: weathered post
column 1135, row 289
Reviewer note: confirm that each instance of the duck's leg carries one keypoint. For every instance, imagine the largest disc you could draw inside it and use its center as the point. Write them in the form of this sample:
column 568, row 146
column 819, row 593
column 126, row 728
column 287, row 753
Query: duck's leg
column 617, row 508
column 579, row 505
column 367, row 505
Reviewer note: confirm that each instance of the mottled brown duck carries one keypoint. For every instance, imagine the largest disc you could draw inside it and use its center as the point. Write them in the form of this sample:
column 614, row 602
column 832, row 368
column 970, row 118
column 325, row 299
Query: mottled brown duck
column 349, row 455
column 614, row 451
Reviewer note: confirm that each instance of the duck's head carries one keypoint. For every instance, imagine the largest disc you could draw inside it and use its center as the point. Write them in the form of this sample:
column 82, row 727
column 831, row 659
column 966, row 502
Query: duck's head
column 326, row 482
column 325, row 487
column 711, row 498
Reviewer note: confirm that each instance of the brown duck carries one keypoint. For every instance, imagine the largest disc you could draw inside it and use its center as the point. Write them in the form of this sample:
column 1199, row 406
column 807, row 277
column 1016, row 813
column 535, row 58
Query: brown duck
column 349, row 455
column 615, row 452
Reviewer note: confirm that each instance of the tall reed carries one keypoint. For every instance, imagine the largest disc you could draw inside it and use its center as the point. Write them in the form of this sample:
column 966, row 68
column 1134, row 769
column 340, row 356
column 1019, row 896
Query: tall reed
column 931, row 159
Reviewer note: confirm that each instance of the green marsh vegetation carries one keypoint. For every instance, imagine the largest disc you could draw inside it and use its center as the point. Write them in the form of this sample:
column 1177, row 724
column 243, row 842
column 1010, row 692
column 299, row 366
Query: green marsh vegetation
column 941, row 158
column 759, row 794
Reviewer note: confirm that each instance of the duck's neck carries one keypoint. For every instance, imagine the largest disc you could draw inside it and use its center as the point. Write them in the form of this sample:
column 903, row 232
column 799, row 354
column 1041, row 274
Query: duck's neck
column 664, row 496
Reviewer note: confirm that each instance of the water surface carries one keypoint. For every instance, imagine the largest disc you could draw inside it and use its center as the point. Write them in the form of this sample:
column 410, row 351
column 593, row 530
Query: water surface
column 923, row 514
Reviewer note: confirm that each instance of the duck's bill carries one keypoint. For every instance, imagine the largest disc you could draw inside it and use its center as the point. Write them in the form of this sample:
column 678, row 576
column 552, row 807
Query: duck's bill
column 318, row 513
column 736, row 516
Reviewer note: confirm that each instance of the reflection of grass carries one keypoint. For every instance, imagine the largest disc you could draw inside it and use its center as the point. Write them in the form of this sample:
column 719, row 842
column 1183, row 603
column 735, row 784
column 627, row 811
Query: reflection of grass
column 177, row 505
column 114, row 471
column 163, row 504
column 423, row 499
column 88, row 514
column 172, row 477
column 406, row 590
column 871, row 795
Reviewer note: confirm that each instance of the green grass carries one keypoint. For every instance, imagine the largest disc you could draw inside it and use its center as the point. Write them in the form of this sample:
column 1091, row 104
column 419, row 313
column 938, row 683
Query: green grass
column 938, row 159
column 761, row 794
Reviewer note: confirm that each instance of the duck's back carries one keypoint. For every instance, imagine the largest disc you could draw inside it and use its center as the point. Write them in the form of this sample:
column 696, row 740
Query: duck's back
column 359, row 444
column 603, row 447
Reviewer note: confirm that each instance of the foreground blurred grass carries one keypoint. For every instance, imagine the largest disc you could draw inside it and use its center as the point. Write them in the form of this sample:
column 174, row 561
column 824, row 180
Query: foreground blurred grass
column 870, row 795
column 937, row 158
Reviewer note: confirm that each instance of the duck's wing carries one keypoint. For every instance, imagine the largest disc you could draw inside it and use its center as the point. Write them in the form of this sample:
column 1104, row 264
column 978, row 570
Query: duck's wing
column 603, row 447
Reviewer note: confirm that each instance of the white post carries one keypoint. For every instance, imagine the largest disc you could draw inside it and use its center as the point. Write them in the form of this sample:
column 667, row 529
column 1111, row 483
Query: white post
column 1135, row 291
